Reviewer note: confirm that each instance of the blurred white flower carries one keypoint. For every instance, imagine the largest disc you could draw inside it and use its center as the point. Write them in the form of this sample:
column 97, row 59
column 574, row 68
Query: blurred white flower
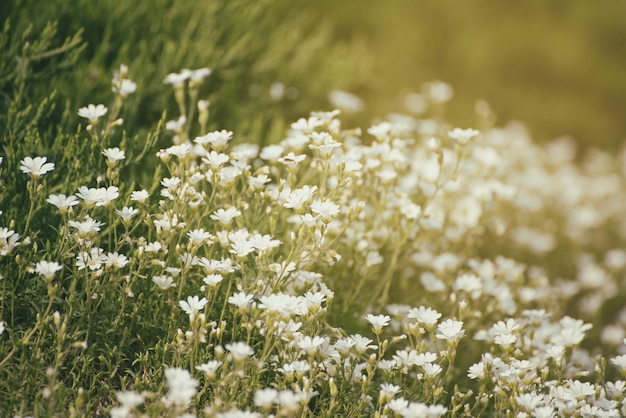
column 47, row 269
column 139, row 196
column 345, row 101
column 463, row 136
column 240, row 350
column 182, row 387
column 209, row 368
column 92, row 112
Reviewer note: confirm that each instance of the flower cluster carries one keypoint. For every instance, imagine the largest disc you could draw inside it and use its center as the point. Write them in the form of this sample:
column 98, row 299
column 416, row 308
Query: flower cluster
column 415, row 269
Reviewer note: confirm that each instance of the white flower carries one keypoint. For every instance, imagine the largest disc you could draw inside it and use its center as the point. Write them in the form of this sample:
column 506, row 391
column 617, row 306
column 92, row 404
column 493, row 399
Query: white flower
column 307, row 125
column 92, row 259
column 241, row 247
column 463, row 136
column 388, row 391
column 291, row 160
column 126, row 213
column 272, row 152
column 178, row 150
column 113, row 155
column 345, row 101
column 476, row 371
column 215, row 160
column 324, row 144
column 398, row 405
column 86, row 227
column 450, row 330
column 439, row 91
column 62, row 202
column 177, row 80
column 620, row 361
column 362, row 344
column 129, row 399
column 164, row 282
column 264, row 242
column 217, row 139
column 240, row 300
column 507, row 327
column 311, row 345
column 47, row 269
column 225, row 216
column 411, row 211
column 299, row 197
column 264, row 398
column 8, row 241
column 237, row 413
column 431, row 369
column 199, row 236
column 257, row 182
column 98, row 197
column 36, row 167
column 468, row 283
column 93, row 113
column 213, row 279
column 182, row 387
column 406, row 359
column 240, row 350
column 505, row 340
column 378, row 322
column 380, row 131
column 193, row 305
column 209, row 368
column 174, row 126
column 198, row 75
column 425, row 316
column 203, row 105
column 2, row 327
column 125, row 88
column 325, row 209
column 115, row 260
column 139, row 196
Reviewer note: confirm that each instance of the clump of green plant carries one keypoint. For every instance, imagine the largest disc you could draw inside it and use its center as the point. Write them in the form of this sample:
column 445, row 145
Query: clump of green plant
column 270, row 60
column 407, row 271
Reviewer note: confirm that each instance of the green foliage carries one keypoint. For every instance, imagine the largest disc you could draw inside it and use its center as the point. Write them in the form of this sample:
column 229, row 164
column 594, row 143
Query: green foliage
column 248, row 44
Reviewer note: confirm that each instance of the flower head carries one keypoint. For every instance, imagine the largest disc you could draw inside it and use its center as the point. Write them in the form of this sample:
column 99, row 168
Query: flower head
column 193, row 305
column 36, row 167
column 240, row 350
column 463, row 136
column 450, row 330
column 47, row 269
column 113, row 155
column 93, row 113
column 62, row 202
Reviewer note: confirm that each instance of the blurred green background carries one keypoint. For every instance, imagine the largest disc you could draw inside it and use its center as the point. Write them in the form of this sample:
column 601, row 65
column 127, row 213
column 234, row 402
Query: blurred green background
column 557, row 65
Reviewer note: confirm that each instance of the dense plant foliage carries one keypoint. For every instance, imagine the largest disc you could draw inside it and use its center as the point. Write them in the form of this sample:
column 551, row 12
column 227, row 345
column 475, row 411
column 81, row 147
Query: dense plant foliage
column 154, row 262
column 415, row 270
